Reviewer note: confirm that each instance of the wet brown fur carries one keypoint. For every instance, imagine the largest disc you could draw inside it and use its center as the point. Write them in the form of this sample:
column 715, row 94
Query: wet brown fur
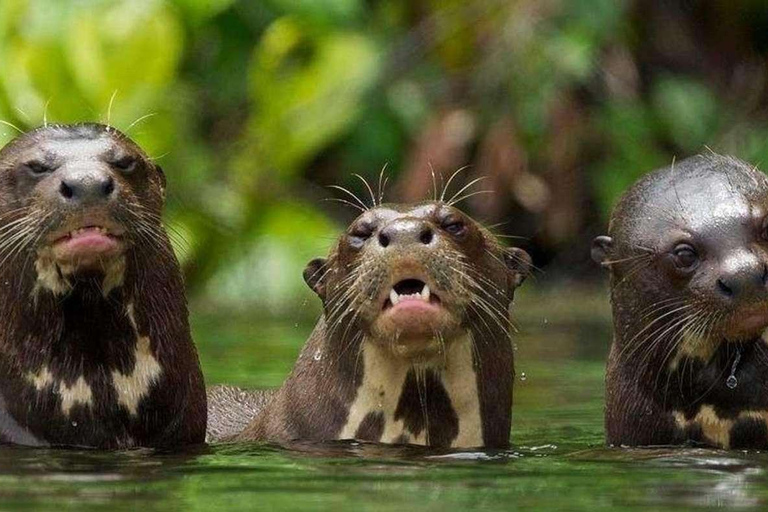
column 83, row 334
column 675, row 340
column 314, row 402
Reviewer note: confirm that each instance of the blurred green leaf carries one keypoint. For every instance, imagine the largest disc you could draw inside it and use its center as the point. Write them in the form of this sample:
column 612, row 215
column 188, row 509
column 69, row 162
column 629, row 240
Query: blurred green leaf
column 629, row 130
column 266, row 274
column 687, row 109
column 199, row 11
column 324, row 12
column 307, row 90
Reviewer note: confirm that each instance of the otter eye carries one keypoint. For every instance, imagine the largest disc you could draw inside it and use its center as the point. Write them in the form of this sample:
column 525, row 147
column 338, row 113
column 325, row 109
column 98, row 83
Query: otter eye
column 125, row 164
column 359, row 234
column 685, row 256
column 37, row 168
column 455, row 227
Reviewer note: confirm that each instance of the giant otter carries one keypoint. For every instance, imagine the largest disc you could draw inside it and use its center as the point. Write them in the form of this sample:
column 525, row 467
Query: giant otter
column 95, row 348
column 688, row 257
column 413, row 346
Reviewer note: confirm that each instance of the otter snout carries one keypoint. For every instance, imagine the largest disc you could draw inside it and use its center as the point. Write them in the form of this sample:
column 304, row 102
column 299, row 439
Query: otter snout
column 408, row 232
column 85, row 185
column 743, row 276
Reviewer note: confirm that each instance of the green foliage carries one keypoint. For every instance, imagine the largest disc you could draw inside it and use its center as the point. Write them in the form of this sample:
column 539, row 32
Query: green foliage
column 630, row 130
column 307, row 88
column 688, row 111
column 247, row 103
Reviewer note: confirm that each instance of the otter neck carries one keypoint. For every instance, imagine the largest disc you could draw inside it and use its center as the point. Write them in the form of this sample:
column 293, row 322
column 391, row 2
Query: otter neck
column 432, row 403
column 82, row 329
column 78, row 328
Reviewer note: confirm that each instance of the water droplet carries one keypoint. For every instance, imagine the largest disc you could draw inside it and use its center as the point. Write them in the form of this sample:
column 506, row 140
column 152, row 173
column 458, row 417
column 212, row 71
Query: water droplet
column 732, row 382
column 523, row 377
column 318, row 355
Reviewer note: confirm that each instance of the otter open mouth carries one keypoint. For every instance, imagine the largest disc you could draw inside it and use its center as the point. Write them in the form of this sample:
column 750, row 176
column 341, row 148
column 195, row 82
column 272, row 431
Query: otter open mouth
column 87, row 242
column 410, row 290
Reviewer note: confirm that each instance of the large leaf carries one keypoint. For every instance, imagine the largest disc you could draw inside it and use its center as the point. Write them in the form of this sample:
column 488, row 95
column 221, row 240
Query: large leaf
column 307, row 89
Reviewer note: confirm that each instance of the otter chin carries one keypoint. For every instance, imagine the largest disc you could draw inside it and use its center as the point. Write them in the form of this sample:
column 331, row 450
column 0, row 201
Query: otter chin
column 96, row 348
column 688, row 257
column 413, row 345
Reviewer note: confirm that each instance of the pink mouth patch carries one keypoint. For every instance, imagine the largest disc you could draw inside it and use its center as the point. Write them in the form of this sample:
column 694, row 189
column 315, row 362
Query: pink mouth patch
column 412, row 307
column 90, row 241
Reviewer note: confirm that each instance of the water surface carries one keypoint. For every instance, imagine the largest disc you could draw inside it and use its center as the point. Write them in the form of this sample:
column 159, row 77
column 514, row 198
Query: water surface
column 558, row 460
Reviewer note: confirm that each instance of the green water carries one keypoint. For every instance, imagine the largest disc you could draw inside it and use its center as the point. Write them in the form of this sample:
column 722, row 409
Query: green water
column 558, row 461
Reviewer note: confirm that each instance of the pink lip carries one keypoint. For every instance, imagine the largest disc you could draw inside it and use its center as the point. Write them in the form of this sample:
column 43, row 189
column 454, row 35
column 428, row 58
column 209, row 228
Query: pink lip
column 413, row 306
column 88, row 242
column 411, row 309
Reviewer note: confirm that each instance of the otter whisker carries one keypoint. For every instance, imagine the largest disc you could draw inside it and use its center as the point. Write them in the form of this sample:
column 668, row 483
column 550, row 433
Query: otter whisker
column 353, row 196
column 34, row 242
column 493, row 306
column 608, row 263
column 140, row 119
column 17, row 243
column 653, row 309
column 649, row 343
column 453, row 201
column 639, row 266
column 382, row 184
column 344, row 201
column 351, row 340
column 434, row 182
column 667, row 314
column 6, row 123
column 45, row 113
column 367, row 186
column 448, row 183
column 682, row 328
column 467, row 196
column 109, row 109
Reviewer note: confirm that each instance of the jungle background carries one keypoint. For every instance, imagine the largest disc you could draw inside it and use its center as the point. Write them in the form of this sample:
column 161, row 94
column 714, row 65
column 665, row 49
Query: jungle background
column 254, row 107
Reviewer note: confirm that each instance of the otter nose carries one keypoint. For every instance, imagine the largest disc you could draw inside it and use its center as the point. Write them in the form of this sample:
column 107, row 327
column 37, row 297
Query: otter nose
column 744, row 275
column 82, row 187
column 406, row 232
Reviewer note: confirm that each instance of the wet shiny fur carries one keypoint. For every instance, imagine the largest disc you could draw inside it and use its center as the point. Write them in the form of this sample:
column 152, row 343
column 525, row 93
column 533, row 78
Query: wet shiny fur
column 96, row 356
column 370, row 373
column 688, row 256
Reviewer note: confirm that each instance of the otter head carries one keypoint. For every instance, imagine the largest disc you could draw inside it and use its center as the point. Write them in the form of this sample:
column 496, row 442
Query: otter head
column 688, row 255
column 74, row 199
column 412, row 278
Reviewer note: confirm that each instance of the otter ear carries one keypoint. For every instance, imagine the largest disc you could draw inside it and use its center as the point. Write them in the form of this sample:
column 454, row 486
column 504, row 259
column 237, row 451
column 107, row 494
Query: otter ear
column 314, row 274
column 601, row 249
column 519, row 262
